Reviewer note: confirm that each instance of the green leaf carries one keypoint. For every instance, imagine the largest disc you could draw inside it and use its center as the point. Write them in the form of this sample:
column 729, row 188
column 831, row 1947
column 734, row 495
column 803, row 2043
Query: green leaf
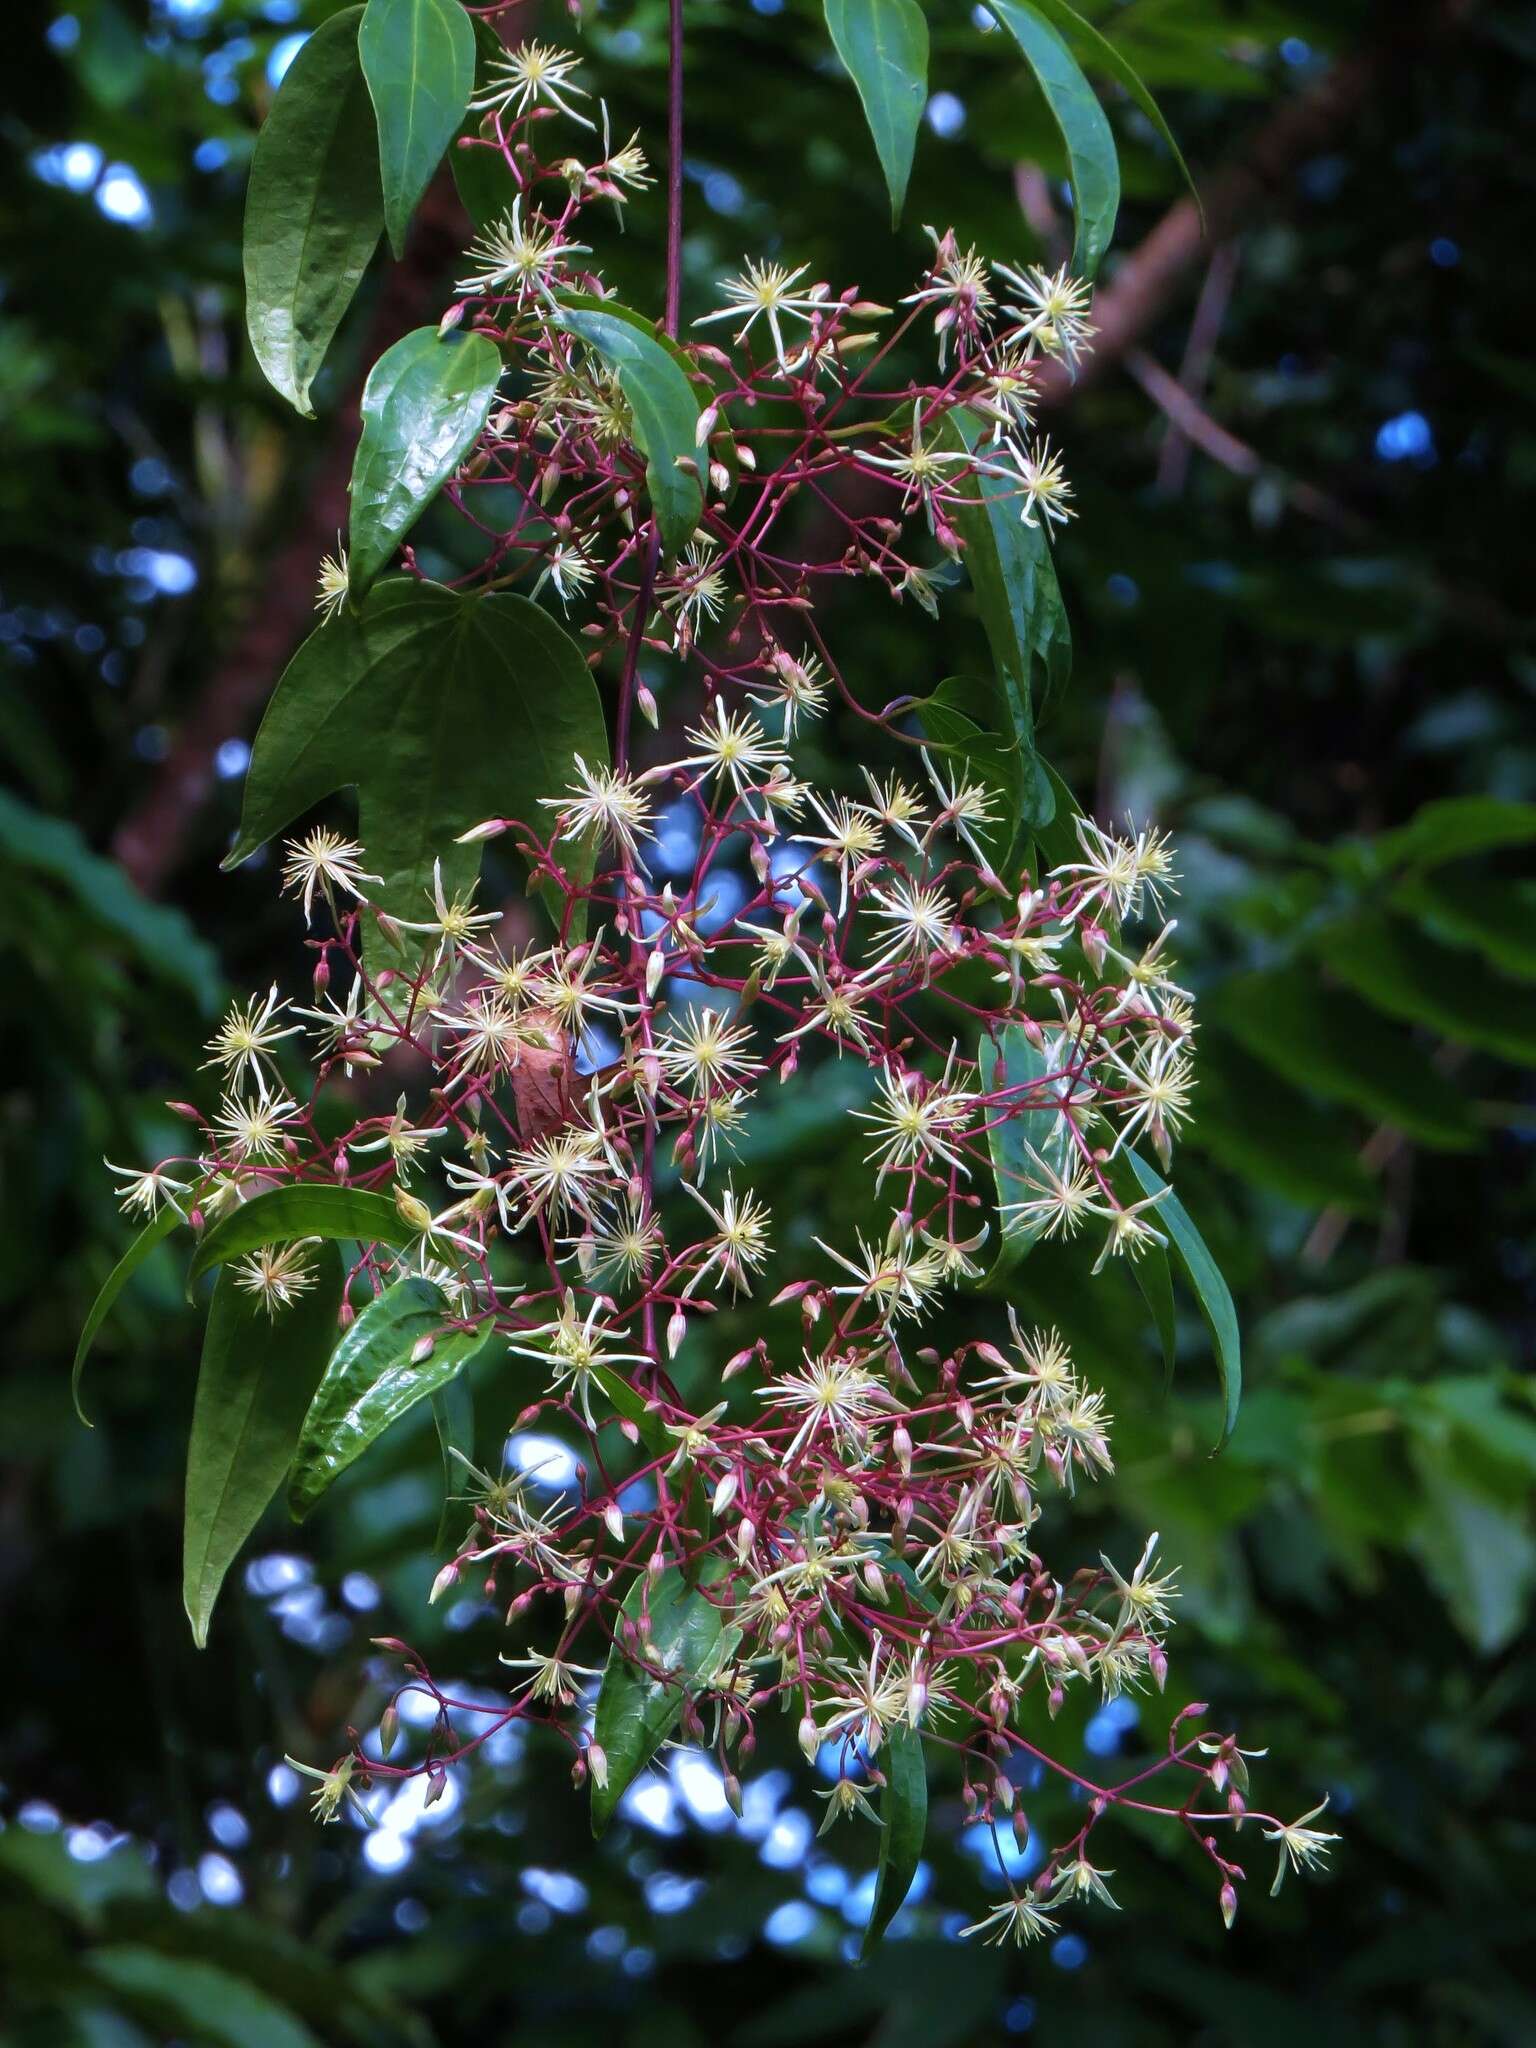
column 884, row 47
column 1411, row 977
column 453, row 1415
column 638, row 1706
column 424, row 405
column 320, row 1209
column 153, row 1233
column 443, row 711
column 1019, row 601
column 418, row 57
column 253, row 1387
column 1153, row 1278
column 162, row 941
column 980, row 753
column 313, row 211
column 1071, row 23
column 663, row 402
column 1331, row 1044
column 1018, row 1063
column 187, row 1999
column 1210, row 1289
column 373, row 1379
column 1092, row 165
column 1494, row 915
column 1453, row 829
column 904, row 1824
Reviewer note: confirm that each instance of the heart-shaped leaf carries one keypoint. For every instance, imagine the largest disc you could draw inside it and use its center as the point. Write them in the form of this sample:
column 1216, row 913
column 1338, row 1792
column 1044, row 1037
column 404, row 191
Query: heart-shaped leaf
column 904, row 1825
column 424, row 405
column 313, row 212
column 1189, row 1248
column 1092, row 164
column 374, row 1377
column 665, row 408
column 418, row 57
column 443, row 711
column 884, row 48
column 283, row 1214
column 254, row 1384
column 641, row 1701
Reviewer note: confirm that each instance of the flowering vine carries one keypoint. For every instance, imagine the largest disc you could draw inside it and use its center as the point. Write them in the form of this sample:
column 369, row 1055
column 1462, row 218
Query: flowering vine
column 537, row 1149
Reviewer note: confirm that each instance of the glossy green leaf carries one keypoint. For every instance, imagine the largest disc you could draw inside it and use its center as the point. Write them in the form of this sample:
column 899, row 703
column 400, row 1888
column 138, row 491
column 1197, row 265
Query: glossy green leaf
column 1155, row 1282
column 1102, row 51
column 313, row 211
column 1019, row 601
column 254, row 1384
column 884, row 48
column 443, row 711
column 1329, row 1043
column 976, row 750
column 1092, row 164
column 281, row 1215
column 424, row 405
column 418, row 57
column 640, row 1703
column 374, row 1378
column 1211, row 1291
column 664, row 404
column 903, row 1828
column 154, row 1232
column 1015, row 1062
column 1415, row 978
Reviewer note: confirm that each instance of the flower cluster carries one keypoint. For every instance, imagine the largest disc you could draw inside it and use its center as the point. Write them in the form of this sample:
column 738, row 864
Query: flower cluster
column 563, row 1126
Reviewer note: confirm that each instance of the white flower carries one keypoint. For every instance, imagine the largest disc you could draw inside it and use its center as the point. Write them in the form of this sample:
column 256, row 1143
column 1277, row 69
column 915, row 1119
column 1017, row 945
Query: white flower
column 323, row 860
column 849, row 834
column 1302, row 1848
column 732, row 748
column 1042, row 482
column 798, row 686
column 705, row 1052
column 569, row 567
column 552, row 1676
column 276, row 1275
column 895, row 806
column 956, row 285
column 331, row 589
column 838, row 1391
column 1061, row 1196
column 145, row 1188
column 1129, row 1231
column 918, row 466
column 1054, row 315
column 1119, row 872
column 573, row 1348
column 917, row 1121
column 699, row 591
column 919, row 919
column 335, row 1789
column 247, row 1036
column 605, row 804
column 1022, row 1919
column 965, row 807
column 255, row 1130
column 766, row 291
column 534, row 74
column 456, row 921
column 511, row 255
column 741, row 1245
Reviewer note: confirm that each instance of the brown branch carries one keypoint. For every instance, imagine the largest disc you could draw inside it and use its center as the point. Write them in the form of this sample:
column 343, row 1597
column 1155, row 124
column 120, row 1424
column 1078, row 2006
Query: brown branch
column 151, row 839
column 1150, row 279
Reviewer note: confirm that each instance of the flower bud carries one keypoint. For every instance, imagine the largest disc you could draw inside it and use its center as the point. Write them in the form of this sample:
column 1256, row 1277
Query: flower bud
column 724, row 1494
column 645, row 698
column 677, row 1329
column 809, row 1738
column 1228, row 1903
column 446, row 1578
column 613, row 1516
column 597, row 1764
column 389, row 1730
column 423, row 1349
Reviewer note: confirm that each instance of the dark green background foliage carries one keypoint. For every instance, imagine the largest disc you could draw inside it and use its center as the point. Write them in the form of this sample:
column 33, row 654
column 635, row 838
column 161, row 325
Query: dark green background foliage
column 1301, row 643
